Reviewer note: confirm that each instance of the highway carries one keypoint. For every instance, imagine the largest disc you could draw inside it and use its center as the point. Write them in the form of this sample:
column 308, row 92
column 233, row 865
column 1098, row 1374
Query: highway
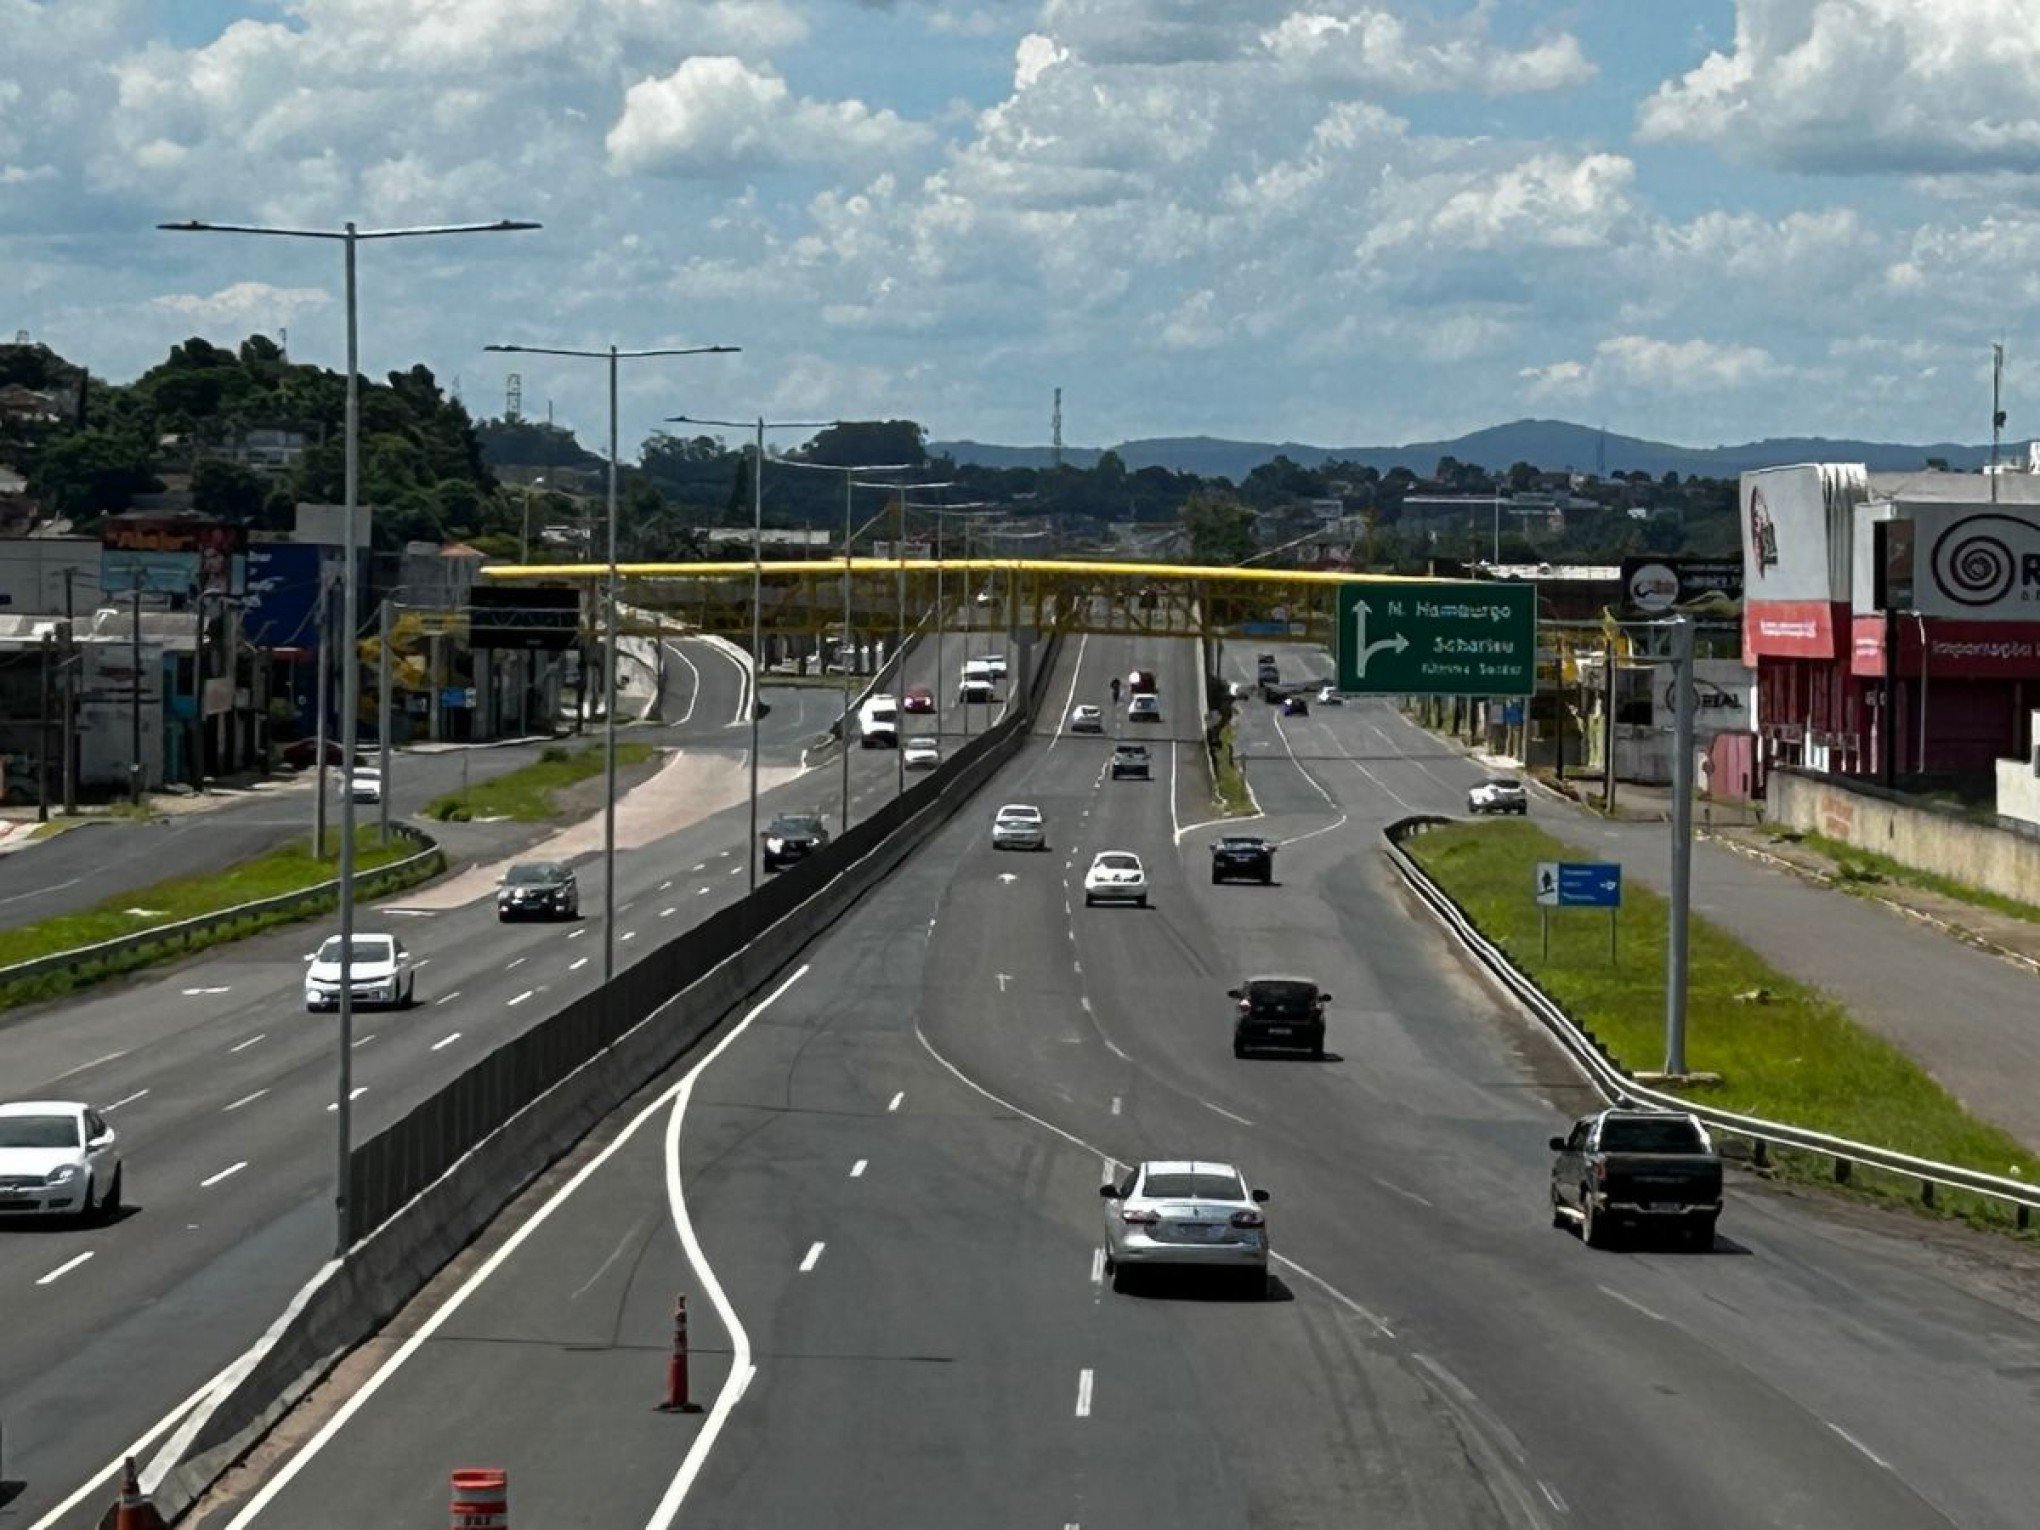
column 879, row 1191
column 222, row 1086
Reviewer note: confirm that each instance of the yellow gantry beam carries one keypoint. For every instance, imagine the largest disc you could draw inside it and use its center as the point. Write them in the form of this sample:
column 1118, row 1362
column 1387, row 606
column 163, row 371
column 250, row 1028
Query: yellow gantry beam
column 830, row 569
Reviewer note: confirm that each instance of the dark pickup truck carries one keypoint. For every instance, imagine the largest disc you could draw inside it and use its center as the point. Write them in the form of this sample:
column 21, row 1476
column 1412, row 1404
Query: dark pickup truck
column 1636, row 1168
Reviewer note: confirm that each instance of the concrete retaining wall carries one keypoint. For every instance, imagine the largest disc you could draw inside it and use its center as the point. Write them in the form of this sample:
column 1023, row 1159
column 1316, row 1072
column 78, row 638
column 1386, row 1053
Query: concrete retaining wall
column 2003, row 859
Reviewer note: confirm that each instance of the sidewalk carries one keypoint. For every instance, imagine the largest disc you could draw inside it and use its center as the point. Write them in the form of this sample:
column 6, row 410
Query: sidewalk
column 1906, row 964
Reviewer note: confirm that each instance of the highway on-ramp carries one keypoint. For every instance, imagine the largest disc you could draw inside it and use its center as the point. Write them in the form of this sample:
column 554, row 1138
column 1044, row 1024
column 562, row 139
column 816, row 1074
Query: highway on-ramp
column 879, row 1193
column 222, row 1088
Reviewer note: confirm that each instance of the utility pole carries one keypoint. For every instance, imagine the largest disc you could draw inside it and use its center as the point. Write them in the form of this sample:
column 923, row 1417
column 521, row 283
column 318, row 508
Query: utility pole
column 70, row 674
column 42, row 750
column 382, row 716
column 135, row 710
column 325, row 663
column 1682, row 848
column 1608, row 731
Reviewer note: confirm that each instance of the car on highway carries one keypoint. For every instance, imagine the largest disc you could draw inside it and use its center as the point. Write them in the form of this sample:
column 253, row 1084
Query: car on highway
column 1019, row 826
column 538, row 890
column 1144, row 708
column 1285, row 1014
column 1186, row 1214
column 57, row 1158
column 1242, row 858
column 976, row 688
column 1087, row 719
column 1296, row 705
column 1141, row 682
column 1130, row 760
column 1266, row 671
column 380, row 972
column 792, row 837
column 364, row 783
column 922, row 753
column 917, row 699
column 1499, row 796
column 995, row 663
column 1115, row 876
column 878, row 723
column 978, row 669
column 1328, row 696
column 1634, row 1169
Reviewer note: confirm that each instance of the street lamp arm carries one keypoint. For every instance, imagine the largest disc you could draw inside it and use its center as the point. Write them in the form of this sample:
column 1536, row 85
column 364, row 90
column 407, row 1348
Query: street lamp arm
column 501, row 226
column 752, row 424
column 604, row 355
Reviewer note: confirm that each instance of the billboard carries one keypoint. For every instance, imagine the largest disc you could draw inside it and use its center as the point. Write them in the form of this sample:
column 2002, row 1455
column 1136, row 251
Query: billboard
column 171, row 555
column 536, row 616
column 1798, row 535
column 1975, row 562
column 282, row 605
column 1699, row 587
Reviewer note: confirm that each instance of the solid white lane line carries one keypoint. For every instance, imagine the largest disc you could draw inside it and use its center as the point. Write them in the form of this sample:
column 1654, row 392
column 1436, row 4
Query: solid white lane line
column 740, row 1341
column 693, row 695
column 1409, row 1195
column 37, row 892
column 1076, row 674
column 857, row 1169
column 446, row 1041
column 895, row 1104
column 246, row 1099
column 227, row 1173
column 1084, row 1392
column 1106, row 1166
column 814, row 1257
column 1175, row 823
column 1551, row 1496
column 126, row 1099
column 446, row 998
column 86, row 1489
column 577, row 964
column 109, row 1057
column 514, row 964
column 1865, row 1449
column 1098, row 1265
column 522, row 997
column 1226, row 1113
column 244, row 1045
column 1631, row 1303
column 65, row 1268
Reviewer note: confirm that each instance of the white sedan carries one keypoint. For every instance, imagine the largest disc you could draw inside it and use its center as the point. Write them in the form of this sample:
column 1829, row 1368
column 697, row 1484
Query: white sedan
column 921, row 754
column 1116, row 876
column 1087, row 719
column 364, row 783
column 1019, row 826
column 1186, row 1213
column 381, row 972
column 57, row 1158
column 1499, row 796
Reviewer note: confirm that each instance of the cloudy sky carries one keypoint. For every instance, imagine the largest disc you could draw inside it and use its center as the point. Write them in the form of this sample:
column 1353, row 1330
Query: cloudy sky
column 1335, row 221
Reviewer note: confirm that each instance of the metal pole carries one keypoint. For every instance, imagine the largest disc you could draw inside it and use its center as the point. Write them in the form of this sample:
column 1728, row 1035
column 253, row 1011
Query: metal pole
column 321, row 690
column 1682, row 849
column 42, row 737
column 609, row 708
column 757, row 636
column 843, row 817
column 1889, row 705
column 969, row 603
column 1608, row 732
column 70, row 673
column 198, row 731
column 941, row 553
column 385, row 623
column 900, row 629
column 350, row 706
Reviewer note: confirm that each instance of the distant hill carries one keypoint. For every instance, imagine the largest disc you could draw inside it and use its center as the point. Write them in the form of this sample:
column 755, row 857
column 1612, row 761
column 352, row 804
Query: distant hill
column 1551, row 445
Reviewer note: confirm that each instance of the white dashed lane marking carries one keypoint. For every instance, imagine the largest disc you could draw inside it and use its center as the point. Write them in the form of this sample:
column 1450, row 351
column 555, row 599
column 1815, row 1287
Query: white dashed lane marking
column 246, row 1099
column 65, row 1268
column 352, row 1095
column 895, row 1104
column 857, row 1168
column 227, row 1173
column 814, row 1257
column 244, row 1045
column 447, row 1000
column 124, row 1100
column 446, row 1041
column 522, row 997
column 1084, row 1392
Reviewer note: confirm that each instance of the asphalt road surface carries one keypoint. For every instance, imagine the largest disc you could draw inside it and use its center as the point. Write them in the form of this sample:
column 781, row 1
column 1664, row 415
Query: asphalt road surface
column 879, row 1190
column 222, row 1089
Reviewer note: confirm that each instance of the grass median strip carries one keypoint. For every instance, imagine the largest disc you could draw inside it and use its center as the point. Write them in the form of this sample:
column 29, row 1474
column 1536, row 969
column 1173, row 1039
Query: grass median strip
column 1784, row 1051
column 175, row 899
column 527, row 793
column 1228, row 781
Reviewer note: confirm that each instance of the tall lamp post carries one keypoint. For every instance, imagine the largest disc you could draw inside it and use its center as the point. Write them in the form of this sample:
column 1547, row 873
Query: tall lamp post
column 348, row 236
column 760, row 426
column 612, row 355
column 900, row 602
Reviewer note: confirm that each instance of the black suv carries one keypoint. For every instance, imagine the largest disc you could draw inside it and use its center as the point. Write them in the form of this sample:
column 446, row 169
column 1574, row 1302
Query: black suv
column 1242, row 858
column 1130, row 760
column 538, row 890
column 792, row 837
column 1279, row 1013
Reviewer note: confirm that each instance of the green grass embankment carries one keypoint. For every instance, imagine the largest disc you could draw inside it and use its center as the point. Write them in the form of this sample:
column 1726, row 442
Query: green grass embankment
column 1783, row 1051
column 528, row 794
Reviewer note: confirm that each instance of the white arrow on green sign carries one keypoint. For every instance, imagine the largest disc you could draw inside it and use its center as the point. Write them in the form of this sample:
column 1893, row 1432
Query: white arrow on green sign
column 1423, row 637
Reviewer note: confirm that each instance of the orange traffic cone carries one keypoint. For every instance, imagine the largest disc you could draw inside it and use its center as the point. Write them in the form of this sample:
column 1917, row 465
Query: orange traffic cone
column 134, row 1511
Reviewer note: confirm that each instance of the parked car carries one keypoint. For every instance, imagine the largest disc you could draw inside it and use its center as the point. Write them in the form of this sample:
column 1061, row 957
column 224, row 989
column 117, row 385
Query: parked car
column 1087, row 720
column 878, row 723
column 1502, row 796
column 1636, row 1168
column 1144, row 708
column 1186, row 1213
column 1279, row 1014
column 1141, row 682
column 921, row 754
column 380, row 971
column 538, row 889
column 1328, row 696
column 792, row 837
column 58, row 1158
column 1116, row 876
column 1019, row 826
column 1242, row 858
column 1130, row 760
column 917, row 699
column 1296, row 705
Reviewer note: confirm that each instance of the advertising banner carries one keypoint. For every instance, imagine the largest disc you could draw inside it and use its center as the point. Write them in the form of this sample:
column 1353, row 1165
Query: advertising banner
column 171, row 555
column 1974, row 562
column 1952, row 650
column 1721, row 697
column 282, row 609
column 1798, row 533
column 1699, row 587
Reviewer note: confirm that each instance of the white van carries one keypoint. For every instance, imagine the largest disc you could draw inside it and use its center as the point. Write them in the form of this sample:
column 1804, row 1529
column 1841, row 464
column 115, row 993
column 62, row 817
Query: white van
column 878, row 723
column 980, row 669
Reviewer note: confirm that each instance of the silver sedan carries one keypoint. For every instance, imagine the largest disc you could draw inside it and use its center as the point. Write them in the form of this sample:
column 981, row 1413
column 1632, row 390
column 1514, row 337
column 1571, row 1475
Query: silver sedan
column 1187, row 1213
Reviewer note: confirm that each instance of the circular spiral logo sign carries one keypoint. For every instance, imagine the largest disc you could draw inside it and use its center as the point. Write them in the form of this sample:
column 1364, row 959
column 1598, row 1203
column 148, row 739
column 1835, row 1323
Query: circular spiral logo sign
column 1973, row 567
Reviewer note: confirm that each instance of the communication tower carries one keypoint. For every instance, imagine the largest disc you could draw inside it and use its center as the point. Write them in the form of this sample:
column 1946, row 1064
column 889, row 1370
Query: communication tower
column 513, row 398
column 1056, row 430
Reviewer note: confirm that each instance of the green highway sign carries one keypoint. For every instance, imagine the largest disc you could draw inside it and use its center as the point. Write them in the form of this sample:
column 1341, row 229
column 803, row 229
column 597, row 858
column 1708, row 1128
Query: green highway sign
column 1423, row 637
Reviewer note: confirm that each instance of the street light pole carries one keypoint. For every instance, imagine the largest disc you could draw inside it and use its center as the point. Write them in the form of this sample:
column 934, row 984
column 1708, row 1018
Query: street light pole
column 349, row 236
column 610, row 354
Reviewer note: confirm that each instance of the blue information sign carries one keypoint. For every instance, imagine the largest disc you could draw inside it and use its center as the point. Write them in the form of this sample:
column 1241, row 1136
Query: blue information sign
column 1579, row 884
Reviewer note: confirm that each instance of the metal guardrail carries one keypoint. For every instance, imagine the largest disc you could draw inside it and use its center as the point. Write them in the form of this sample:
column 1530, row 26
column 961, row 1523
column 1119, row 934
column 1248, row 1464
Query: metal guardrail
column 178, row 934
column 1621, row 1089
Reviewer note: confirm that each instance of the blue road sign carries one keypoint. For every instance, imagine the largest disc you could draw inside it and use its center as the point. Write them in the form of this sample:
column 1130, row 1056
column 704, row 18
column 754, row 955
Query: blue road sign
column 1579, row 884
